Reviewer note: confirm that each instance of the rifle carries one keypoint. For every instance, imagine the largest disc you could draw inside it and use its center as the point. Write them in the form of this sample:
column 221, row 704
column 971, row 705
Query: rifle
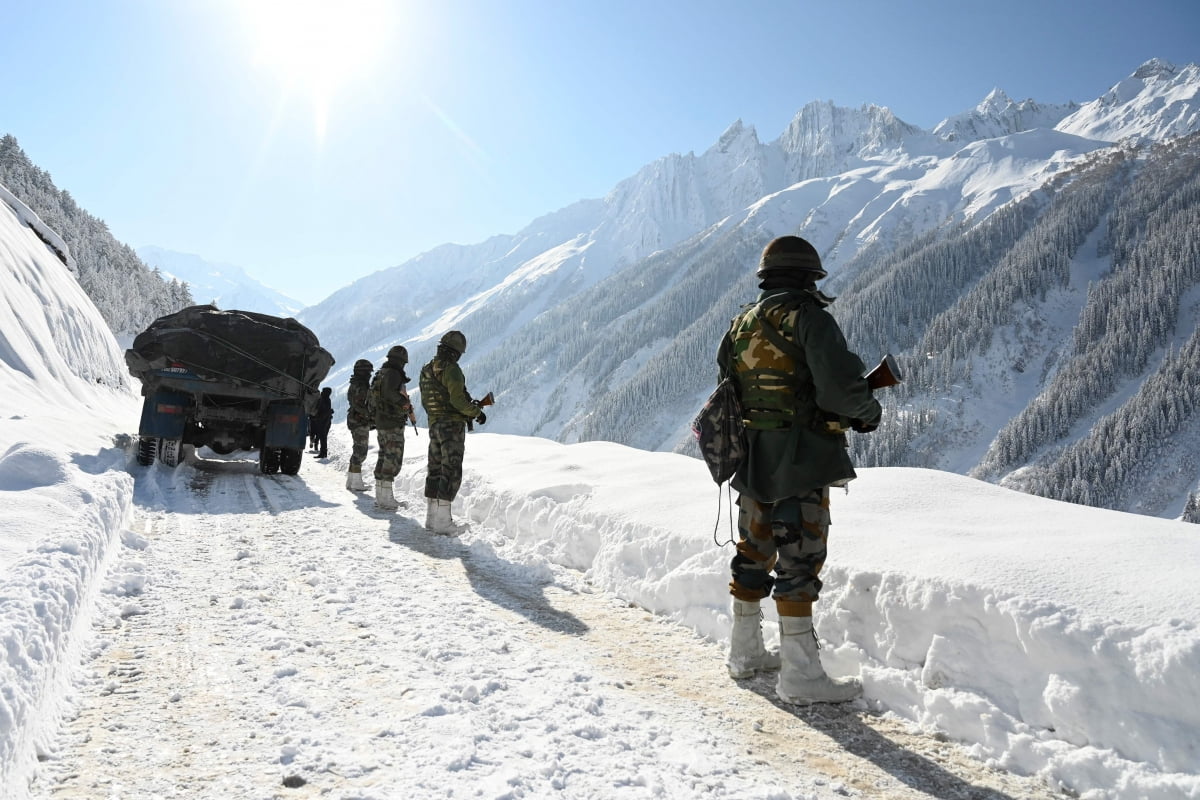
column 488, row 400
column 886, row 373
column 412, row 414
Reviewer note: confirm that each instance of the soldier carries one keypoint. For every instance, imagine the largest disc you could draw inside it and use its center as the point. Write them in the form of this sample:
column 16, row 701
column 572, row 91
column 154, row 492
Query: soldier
column 393, row 410
column 360, row 420
column 321, row 422
column 801, row 388
column 450, row 409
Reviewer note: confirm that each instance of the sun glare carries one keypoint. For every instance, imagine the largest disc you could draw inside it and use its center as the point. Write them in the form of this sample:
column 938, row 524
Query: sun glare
column 315, row 47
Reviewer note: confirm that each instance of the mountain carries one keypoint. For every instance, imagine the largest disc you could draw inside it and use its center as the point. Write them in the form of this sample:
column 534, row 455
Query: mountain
column 1030, row 265
column 999, row 116
column 225, row 285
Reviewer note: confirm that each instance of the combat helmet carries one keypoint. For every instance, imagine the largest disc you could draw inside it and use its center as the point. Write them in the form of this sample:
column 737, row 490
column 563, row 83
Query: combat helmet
column 363, row 366
column 456, row 341
column 398, row 353
column 786, row 255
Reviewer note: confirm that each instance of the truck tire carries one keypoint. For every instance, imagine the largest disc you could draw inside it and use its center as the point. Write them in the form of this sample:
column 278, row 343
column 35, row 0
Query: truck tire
column 147, row 448
column 268, row 460
column 170, row 451
column 289, row 461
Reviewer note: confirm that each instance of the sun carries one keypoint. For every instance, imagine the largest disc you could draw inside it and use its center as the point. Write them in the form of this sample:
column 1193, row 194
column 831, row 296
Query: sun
column 316, row 47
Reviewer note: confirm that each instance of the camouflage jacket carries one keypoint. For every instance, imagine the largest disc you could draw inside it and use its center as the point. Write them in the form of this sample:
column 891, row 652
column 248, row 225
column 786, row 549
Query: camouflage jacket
column 356, row 396
column 793, row 369
column 444, row 393
column 392, row 406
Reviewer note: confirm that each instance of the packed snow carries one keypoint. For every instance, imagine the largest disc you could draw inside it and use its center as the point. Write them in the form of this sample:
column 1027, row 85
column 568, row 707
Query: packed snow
column 212, row 632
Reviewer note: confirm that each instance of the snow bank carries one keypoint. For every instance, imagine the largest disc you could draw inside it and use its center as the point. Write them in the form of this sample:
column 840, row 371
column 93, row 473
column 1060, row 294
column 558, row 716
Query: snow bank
column 65, row 492
column 1054, row 639
column 72, row 518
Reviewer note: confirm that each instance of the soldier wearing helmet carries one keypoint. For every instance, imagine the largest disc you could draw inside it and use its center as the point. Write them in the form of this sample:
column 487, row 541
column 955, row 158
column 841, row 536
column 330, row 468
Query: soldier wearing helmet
column 801, row 388
column 392, row 411
column 450, row 410
column 360, row 420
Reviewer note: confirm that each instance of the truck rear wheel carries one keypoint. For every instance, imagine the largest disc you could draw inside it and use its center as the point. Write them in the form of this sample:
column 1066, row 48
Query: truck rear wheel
column 147, row 448
column 170, row 451
column 268, row 460
column 289, row 461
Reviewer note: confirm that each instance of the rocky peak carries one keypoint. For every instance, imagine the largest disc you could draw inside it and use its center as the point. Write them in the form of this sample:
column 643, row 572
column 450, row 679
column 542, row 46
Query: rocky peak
column 999, row 115
column 735, row 138
column 1155, row 68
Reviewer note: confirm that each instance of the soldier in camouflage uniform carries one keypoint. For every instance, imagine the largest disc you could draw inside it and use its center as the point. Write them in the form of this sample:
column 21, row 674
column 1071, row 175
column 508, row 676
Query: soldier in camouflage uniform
column 359, row 420
column 450, row 409
column 801, row 389
column 393, row 410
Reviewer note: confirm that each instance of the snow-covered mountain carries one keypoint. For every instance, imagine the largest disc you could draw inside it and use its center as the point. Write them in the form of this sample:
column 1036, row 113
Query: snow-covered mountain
column 226, row 285
column 600, row 321
column 999, row 116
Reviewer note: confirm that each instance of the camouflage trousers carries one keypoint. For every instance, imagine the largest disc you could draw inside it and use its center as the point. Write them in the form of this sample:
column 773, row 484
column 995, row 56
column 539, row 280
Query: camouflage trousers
column 447, row 443
column 787, row 537
column 361, row 436
column 391, row 453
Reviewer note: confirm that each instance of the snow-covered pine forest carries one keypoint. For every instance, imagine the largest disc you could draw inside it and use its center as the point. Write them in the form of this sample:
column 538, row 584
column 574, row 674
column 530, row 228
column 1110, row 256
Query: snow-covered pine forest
column 1117, row 235
column 128, row 293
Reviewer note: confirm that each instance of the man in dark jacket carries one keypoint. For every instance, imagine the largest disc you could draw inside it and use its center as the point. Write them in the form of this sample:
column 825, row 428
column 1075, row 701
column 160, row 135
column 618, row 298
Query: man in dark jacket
column 801, row 389
column 322, row 419
column 450, row 408
column 359, row 420
column 393, row 410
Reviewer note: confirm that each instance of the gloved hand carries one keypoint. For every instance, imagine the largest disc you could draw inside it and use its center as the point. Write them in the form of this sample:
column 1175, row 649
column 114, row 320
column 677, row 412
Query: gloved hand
column 482, row 418
column 862, row 427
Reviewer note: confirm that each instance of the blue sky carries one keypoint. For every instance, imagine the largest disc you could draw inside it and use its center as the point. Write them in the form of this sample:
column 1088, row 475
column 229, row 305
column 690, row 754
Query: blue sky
column 311, row 159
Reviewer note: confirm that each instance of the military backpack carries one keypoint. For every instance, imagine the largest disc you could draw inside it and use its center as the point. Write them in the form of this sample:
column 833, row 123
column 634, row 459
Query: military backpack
column 720, row 431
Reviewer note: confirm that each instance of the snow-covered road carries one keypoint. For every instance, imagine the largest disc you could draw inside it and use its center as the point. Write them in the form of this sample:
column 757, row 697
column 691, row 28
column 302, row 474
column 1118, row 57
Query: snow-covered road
column 273, row 636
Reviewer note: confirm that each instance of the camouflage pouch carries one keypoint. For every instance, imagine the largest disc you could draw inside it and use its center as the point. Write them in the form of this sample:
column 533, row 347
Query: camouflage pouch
column 720, row 431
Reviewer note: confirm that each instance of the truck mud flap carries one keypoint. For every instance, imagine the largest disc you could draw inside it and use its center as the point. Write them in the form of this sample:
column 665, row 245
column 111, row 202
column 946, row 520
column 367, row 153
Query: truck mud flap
column 165, row 414
column 287, row 426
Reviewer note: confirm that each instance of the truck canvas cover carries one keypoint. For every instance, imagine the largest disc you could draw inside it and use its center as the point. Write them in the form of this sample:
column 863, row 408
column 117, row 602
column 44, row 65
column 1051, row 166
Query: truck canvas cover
column 249, row 353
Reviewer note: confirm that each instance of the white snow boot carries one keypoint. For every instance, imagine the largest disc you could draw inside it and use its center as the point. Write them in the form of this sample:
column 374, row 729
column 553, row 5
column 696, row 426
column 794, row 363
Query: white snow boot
column 442, row 522
column 383, row 496
column 430, row 513
column 802, row 679
column 747, row 655
column 354, row 481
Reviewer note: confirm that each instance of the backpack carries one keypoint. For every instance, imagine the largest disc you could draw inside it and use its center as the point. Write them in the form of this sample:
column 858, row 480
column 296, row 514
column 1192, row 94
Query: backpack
column 720, row 430
column 373, row 395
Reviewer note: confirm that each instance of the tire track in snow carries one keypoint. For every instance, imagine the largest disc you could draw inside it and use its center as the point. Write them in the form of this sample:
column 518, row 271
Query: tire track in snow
column 291, row 632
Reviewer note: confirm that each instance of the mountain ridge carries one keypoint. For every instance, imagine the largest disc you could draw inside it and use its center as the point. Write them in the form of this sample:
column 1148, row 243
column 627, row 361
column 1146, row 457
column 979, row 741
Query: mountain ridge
column 226, row 285
column 599, row 321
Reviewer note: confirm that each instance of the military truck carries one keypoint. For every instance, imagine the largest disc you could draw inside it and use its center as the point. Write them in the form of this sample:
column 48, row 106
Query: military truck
column 229, row 381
